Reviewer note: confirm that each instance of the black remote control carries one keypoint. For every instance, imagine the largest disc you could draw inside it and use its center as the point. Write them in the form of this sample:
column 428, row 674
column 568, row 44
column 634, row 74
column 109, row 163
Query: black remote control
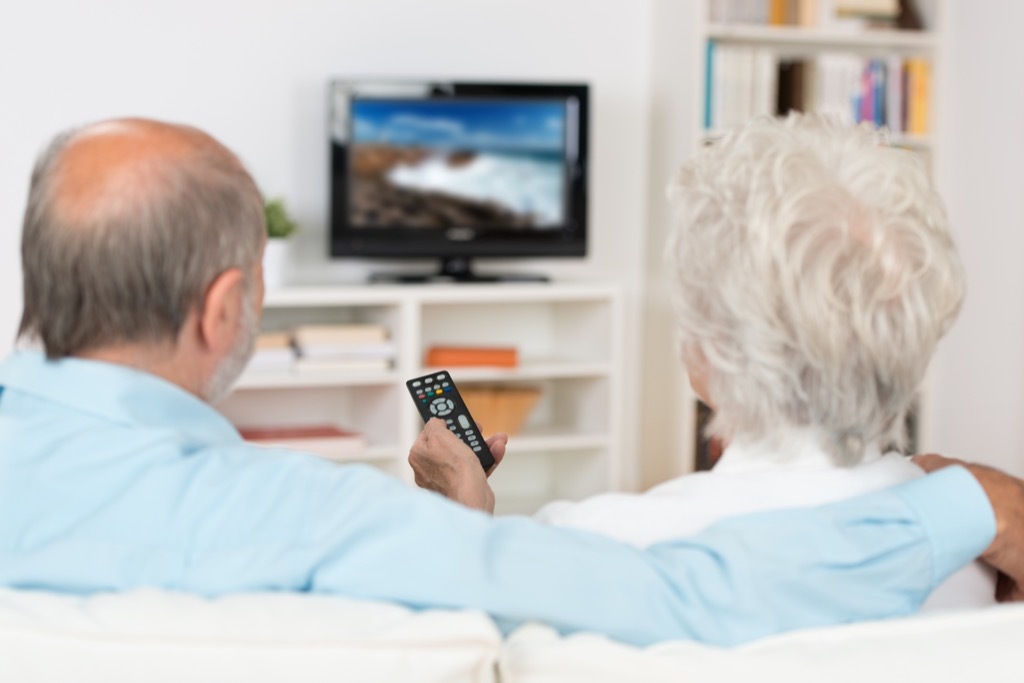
column 436, row 396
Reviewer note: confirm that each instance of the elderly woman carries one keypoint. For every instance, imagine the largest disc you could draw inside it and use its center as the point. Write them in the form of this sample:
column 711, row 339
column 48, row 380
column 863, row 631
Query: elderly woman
column 814, row 274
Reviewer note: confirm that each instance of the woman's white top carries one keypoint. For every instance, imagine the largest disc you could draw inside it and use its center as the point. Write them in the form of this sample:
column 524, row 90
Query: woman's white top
column 753, row 477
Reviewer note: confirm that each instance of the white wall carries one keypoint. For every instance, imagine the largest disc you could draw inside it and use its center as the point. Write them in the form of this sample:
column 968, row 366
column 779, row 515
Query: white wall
column 254, row 74
column 979, row 371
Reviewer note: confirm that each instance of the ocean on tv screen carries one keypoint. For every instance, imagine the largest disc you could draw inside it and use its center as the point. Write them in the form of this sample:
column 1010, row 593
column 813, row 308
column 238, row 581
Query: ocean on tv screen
column 474, row 162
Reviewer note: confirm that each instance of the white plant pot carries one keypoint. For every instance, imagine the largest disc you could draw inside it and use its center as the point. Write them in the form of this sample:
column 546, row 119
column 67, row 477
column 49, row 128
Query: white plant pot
column 276, row 263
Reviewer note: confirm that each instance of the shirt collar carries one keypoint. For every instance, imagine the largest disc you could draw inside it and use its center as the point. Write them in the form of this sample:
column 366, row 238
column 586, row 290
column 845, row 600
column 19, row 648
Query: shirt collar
column 116, row 393
column 799, row 449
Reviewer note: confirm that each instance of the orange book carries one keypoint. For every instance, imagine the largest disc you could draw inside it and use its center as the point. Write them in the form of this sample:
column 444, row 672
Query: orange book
column 451, row 356
column 918, row 87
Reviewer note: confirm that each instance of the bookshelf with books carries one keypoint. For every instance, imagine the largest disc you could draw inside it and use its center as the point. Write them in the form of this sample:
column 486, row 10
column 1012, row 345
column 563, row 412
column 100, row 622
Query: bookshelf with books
column 540, row 360
column 877, row 61
column 860, row 60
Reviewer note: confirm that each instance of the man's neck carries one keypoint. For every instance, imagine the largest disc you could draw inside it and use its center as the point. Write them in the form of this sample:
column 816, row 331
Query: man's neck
column 163, row 360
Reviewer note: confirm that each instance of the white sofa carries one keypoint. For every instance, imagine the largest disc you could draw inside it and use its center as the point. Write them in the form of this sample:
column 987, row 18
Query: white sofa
column 160, row 636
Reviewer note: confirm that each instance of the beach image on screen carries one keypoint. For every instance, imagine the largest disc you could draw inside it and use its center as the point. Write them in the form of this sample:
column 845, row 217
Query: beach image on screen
column 445, row 163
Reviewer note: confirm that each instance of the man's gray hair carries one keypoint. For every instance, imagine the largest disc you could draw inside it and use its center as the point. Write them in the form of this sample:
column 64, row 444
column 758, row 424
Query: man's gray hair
column 814, row 275
column 132, row 266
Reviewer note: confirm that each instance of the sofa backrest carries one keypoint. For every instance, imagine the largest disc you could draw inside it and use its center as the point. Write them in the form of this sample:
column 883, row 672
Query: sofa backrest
column 157, row 636
column 978, row 645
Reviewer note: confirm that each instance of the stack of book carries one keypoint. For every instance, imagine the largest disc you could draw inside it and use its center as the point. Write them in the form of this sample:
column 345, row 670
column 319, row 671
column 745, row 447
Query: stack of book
column 332, row 348
column 326, row 441
column 274, row 352
column 822, row 14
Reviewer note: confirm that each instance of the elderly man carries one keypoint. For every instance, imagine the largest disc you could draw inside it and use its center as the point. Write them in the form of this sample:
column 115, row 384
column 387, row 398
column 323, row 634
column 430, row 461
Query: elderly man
column 141, row 256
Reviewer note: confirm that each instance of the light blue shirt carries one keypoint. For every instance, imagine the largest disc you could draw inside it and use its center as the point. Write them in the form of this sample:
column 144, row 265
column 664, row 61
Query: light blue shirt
column 111, row 479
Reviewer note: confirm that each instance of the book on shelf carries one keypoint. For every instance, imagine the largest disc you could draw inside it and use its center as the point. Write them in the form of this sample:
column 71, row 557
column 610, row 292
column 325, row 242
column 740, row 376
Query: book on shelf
column 272, row 352
column 454, row 356
column 744, row 82
column 917, row 94
column 346, row 351
column 313, row 335
column 874, row 9
column 843, row 15
column 342, row 348
column 324, row 440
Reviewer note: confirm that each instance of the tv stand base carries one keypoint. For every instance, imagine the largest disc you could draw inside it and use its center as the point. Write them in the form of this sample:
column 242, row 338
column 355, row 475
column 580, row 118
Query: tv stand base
column 454, row 270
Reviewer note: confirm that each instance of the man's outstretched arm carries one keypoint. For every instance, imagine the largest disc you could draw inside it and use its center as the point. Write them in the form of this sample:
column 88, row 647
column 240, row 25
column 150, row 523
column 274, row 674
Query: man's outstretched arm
column 871, row 557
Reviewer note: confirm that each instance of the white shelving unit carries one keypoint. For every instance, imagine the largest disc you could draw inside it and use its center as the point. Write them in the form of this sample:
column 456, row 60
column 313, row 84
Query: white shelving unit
column 807, row 42
column 569, row 339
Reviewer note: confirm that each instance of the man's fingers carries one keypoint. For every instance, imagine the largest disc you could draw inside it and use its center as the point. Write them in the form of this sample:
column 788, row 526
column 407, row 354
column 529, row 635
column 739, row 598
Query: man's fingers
column 497, row 444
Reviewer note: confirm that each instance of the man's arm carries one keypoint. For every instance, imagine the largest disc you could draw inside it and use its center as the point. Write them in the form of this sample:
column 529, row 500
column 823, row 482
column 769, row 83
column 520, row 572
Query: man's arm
column 872, row 557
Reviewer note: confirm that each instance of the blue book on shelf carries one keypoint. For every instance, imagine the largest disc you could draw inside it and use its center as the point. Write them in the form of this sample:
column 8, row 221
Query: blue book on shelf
column 878, row 85
column 709, row 84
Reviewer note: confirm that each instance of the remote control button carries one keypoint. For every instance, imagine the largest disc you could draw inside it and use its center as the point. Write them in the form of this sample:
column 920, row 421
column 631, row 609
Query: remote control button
column 449, row 420
column 441, row 376
column 441, row 407
column 428, row 380
column 448, row 389
column 464, row 421
column 469, row 431
column 477, row 449
column 417, row 383
column 444, row 384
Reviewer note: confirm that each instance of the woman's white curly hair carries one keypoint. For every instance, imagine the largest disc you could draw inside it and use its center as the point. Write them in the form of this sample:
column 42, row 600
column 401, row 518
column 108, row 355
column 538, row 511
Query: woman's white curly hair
column 814, row 275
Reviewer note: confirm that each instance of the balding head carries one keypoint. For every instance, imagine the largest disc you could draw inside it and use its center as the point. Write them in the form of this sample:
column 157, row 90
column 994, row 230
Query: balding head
column 128, row 222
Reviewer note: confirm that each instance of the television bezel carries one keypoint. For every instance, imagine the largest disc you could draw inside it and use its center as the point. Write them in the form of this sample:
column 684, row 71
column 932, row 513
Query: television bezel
column 458, row 242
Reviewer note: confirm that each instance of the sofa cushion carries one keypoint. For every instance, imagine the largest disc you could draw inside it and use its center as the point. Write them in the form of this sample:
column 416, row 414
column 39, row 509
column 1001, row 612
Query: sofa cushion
column 152, row 635
column 982, row 645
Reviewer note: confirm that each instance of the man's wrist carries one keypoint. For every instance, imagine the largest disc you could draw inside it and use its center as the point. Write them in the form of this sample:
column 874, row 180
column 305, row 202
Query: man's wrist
column 472, row 489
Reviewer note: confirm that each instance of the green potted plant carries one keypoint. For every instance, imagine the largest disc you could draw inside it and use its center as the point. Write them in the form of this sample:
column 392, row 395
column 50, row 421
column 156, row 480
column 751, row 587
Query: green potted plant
column 280, row 226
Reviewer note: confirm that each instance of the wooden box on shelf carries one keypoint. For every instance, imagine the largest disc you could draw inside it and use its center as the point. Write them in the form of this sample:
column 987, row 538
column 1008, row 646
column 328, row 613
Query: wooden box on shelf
column 500, row 408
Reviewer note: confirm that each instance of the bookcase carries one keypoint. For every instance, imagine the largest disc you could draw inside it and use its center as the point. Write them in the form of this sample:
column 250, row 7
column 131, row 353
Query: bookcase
column 765, row 57
column 569, row 340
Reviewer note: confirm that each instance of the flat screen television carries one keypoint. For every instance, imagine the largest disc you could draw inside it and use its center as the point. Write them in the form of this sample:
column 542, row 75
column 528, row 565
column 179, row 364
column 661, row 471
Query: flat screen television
column 457, row 171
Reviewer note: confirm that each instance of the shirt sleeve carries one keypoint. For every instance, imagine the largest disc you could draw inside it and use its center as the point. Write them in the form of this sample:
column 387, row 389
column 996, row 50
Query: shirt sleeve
column 871, row 557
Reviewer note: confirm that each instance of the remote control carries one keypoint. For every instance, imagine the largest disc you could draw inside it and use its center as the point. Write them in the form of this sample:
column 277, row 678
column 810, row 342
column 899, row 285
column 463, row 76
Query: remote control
column 436, row 396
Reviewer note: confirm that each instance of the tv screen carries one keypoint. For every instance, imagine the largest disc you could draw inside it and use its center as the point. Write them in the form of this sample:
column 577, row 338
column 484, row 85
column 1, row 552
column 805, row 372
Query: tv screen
column 458, row 170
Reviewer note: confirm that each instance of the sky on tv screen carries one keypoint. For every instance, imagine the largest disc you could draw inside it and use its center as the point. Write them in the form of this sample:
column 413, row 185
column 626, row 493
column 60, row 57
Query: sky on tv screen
column 515, row 127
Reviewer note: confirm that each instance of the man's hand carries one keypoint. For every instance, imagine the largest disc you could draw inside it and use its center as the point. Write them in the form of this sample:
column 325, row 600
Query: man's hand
column 1006, row 494
column 442, row 463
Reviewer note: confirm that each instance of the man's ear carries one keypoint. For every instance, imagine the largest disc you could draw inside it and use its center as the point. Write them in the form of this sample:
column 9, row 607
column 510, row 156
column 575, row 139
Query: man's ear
column 222, row 310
